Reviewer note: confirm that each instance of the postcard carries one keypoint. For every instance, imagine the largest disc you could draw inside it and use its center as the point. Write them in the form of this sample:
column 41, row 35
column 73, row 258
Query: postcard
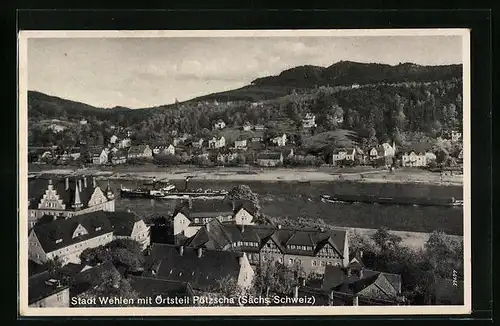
column 244, row 172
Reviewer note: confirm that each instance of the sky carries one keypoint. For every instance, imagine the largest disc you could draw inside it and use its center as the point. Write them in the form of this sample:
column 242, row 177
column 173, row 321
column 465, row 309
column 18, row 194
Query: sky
column 147, row 72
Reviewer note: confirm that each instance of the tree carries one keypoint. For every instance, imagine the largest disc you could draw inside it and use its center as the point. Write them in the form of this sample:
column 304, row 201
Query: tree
column 244, row 193
column 385, row 240
column 273, row 277
column 53, row 264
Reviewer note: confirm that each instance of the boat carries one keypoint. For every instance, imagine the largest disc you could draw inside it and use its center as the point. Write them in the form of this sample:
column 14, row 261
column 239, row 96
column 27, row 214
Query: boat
column 170, row 192
column 372, row 199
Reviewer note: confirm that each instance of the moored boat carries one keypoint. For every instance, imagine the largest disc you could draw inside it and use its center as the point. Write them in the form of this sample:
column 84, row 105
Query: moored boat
column 371, row 199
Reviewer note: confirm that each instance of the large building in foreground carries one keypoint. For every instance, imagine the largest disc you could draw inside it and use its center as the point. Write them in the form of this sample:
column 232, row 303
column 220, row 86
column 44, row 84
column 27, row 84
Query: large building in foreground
column 308, row 250
column 67, row 197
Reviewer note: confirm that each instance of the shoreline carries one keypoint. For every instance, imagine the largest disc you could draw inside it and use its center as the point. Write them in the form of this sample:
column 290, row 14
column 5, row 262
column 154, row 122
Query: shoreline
column 266, row 175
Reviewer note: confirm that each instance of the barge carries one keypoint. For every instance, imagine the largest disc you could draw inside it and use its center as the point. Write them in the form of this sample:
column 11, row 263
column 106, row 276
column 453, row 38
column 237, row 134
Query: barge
column 372, row 199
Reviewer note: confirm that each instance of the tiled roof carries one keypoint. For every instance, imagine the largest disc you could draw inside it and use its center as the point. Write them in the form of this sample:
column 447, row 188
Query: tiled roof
column 37, row 188
column 418, row 148
column 151, row 287
column 205, row 208
column 122, row 222
column 269, row 156
column 202, row 273
column 219, row 235
column 38, row 289
column 35, row 268
column 348, row 151
column 49, row 233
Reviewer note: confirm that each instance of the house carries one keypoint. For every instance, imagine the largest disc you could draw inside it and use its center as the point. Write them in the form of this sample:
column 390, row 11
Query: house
column 67, row 197
column 44, row 290
column 341, row 154
column 259, row 127
column 83, row 122
column 127, row 225
column 257, row 138
column 456, row 136
column 99, row 156
column 220, row 124
column 240, row 143
column 84, row 280
column 384, row 150
column 190, row 216
column 180, row 140
column 118, row 157
column 244, row 213
column 287, row 152
column 355, row 86
column 197, row 142
column 279, row 140
column 415, row 156
column 202, row 268
column 246, row 126
column 113, row 139
column 309, row 121
column 151, row 287
column 140, row 151
column 68, row 238
column 227, row 157
column 269, row 159
column 364, row 286
column 164, row 150
column 125, row 143
column 56, row 128
column 308, row 250
column 215, row 142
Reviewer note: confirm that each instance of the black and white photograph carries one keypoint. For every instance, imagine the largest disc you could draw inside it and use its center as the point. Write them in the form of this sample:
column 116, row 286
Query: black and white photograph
column 257, row 172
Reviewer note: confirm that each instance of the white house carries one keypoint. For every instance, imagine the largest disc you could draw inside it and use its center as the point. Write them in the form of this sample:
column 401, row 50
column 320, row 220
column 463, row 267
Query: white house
column 247, row 126
column 456, row 136
column 279, row 140
column 57, row 128
column 113, row 139
column 309, row 121
column 341, row 154
column 240, row 143
column 215, row 143
column 414, row 159
column 220, row 124
column 100, row 157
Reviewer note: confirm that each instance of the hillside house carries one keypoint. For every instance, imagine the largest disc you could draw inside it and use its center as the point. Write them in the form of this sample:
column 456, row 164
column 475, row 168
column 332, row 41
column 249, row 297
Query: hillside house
column 343, row 154
column 309, row 121
column 259, row 128
column 268, row 159
column 118, row 157
column 240, row 143
column 219, row 124
column 308, row 250
column 99, row 156
column 113, row 139
column 67, row 197
column 56, row 128
column 46, row 290
column 247, row 126
column 215, row 142
column 456, row 136
column 415, row 155
column 164, row 150
column 384, row 150
column 279, row 140
column 202, row 268
column 227, row 157
column 127, row 225
column 140, row 151
column 197, row 142
column 124, row 143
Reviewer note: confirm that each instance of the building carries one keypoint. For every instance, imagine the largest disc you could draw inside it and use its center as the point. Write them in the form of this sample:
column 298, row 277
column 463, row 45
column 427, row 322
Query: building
column 240, row 143
column 83, row 122
column 279, row 140
column 190, row 216
column 247, row 126
column 151, row 287
column 56, row 128
column 414, row 159
column 308, row 250
column 118, row 157
column 259, row 128
column 99, row 156
column 164, row 150
column 140, row 151
column 46, row 291
column 197, row 142
column 309, row 121
column 127, row 225
column 67, row 238
column 113, row 139
column 202, row 268
column 269, row 159
column 220, row 124
column 362, row 285
column 125, row 143
column 67, row 197
column 180, row 140
column 227, row 157
column 257, row 137
column 343, row 154
column 384, row 150
column 215, row 142
column 456, row 136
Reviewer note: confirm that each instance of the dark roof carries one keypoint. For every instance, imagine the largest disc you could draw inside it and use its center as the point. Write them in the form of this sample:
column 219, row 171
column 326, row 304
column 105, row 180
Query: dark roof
column 139, row 149
column 37, row 188
column 151, row 287
column 201, row 272
column 49, row 233
column 205, row 208
column 89, row 278
column 118, row 153
column 122, row 222
column 246, row 205
column 269, row 156
column 220, row 235
column 38, row 289
column 349, row 151
column 35, row 268
column 420, row 147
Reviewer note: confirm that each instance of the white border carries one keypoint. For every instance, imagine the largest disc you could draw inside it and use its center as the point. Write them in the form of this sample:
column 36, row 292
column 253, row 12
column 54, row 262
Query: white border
column 24, row 310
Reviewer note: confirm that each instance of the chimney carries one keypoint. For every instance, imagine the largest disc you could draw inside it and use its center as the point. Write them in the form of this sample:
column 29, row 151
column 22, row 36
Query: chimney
column 181, row 250
column 199, row 251
column 66, row 183
column 242, row 227
column 85, row 182
column 296, row 291
column 94, row 182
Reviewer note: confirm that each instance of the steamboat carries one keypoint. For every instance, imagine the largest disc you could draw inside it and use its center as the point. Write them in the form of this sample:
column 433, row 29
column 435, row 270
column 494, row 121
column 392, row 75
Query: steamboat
column 372, row 199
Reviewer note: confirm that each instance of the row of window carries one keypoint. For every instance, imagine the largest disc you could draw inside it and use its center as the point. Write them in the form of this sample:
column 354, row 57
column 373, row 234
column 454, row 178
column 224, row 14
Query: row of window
column 307, row 248
column 245, row 243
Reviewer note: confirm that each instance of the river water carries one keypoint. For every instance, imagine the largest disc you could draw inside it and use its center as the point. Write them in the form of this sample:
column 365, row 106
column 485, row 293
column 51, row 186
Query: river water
column 295, row 199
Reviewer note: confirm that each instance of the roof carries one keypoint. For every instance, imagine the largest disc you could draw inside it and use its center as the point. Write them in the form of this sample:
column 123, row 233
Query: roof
column 417, row 148
column 152, row 287
column 37, row 188
column 122, row 222
column 205, row 208
column 269, row 156
column 89, row 278
column 35, row 268
column 247, row 205
column 139, row 149
column 220, row 235
column 49, row 233
column 38, row 289
column 348, row 151
column 203, row 272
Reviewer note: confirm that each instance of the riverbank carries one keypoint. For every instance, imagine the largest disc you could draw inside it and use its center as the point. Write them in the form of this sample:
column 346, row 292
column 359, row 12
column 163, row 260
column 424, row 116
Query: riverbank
column 361, row 174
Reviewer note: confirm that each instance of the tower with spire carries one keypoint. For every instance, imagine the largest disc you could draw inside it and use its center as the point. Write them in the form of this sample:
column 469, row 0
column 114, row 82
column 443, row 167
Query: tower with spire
column 77, row 203
column 109, row 192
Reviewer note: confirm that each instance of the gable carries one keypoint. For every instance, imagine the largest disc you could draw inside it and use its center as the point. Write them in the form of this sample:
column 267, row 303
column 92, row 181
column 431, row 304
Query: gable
column 51, row 200
column 97, row 197
column 80, row 230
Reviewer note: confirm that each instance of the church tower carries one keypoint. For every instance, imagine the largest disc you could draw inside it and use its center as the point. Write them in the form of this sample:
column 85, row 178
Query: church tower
column 77, row 203
column 109, row 192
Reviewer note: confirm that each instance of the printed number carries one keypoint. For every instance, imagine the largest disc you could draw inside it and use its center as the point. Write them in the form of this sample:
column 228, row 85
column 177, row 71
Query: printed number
column 455, row 278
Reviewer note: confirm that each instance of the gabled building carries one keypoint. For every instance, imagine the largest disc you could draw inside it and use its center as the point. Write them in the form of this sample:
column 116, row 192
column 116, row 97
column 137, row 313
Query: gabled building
column 67, row 238
column 384, row 150
column 164, row 150
column 67, row 197
column 227, row 157
column 201, row 268
column 124, row 143
column 215, row 142
column 240, row 143
column 341, row 154
column 118, row 157
column 197, row 142
column 309, row 121
column 99, row 156
column 247, row 126
column 140, row 151
column 127, row 225
column 220, row 124
column 415, row 155
column 180, row 140
column 269, row 159
column 44, row 290
column 113, row 139
column 279, row 140
column 308, row 250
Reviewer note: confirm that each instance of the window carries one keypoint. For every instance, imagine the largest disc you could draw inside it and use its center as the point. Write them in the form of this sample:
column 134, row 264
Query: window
column 196, row 220
column 98, row 228
column 323, row 263
column 314, row 263
column 330, row 263
column 290, row 261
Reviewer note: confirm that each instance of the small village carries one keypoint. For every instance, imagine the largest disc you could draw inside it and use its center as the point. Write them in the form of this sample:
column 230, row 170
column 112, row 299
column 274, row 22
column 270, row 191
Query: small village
column 253, row 145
